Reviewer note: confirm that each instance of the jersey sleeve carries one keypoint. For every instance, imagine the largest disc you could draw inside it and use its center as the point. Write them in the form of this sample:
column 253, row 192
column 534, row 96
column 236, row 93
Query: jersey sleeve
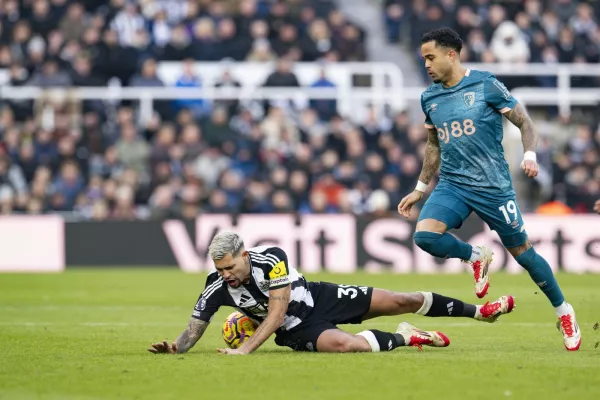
column 210, row 299
column 276, row 269
column 428, row 123
column 498, row 96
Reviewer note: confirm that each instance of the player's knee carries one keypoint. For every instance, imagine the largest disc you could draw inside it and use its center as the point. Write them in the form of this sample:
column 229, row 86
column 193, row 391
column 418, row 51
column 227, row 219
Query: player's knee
column 426, row 240
column 340, row 345
column 525, row 255
column 358, row 344
column 519, row 250
column 348, row 344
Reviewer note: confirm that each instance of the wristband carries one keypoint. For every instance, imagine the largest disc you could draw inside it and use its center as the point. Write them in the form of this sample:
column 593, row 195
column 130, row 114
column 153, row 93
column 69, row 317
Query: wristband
column 421, row 187
column 530, row 155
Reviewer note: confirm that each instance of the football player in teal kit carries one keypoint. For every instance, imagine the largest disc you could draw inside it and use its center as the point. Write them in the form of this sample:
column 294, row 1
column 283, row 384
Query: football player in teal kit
column 463, row 115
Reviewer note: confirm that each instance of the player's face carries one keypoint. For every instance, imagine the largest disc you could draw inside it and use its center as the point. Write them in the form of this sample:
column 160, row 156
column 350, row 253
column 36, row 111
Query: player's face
column 234, row 270
column 438, row 61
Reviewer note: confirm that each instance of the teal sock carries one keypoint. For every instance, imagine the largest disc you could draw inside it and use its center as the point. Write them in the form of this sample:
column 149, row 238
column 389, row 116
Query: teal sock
column 541, row 273
column 443, row 245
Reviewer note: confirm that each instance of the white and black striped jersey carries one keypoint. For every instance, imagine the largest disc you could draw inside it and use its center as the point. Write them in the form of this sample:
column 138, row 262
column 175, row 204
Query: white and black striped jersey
column 269, row 270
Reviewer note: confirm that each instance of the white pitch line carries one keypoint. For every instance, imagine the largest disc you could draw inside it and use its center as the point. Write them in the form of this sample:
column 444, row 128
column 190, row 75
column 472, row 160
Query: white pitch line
column 371, row 324
column 90, row 324
column 466, row 324
column 87, row 308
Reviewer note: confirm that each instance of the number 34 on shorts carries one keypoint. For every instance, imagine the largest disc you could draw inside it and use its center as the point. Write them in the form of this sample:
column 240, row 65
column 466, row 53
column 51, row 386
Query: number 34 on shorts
column 350, row 291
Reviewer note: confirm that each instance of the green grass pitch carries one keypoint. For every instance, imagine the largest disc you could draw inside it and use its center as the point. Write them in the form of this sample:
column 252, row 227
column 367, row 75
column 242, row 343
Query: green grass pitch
column 83, row 335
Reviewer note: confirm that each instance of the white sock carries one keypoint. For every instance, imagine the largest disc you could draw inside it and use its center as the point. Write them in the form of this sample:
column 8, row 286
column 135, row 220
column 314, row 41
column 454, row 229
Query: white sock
column 426, row 304
column 475, row 254
column 371, row 339
column 563, row 309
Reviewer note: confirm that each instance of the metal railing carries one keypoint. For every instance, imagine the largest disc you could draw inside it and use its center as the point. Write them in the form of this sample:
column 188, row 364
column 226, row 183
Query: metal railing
column 388, row 86
column 385, row 82
column 348, row 99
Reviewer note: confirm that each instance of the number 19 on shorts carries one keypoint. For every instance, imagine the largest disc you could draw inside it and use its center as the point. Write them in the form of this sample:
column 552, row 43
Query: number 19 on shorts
column 509, row 208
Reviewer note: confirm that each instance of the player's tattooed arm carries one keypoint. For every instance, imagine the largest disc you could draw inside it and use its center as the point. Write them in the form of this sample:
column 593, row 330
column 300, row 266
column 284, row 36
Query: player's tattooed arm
column 519, row 117
column 188, row 338
column 431, row 162
column 192, row 333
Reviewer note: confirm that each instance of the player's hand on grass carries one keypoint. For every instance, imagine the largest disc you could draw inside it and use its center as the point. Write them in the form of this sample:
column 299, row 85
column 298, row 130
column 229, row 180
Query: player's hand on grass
column 232, row 352
column 597, row 206
column 530, row 168
column 163, row 348
column 405, row 205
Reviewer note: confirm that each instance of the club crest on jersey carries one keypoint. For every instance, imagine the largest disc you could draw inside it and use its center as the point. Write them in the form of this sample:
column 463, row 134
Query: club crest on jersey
column 201, row 304
column 469, row 98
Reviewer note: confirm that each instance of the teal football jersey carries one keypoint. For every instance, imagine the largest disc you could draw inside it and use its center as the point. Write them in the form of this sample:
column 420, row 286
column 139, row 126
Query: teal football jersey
column 468, row 119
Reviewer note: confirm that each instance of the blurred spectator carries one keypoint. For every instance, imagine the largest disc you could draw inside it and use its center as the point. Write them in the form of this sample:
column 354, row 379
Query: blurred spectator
column 282, row 76
column 394, row 16
column 190, row 79
column 275, row 126
column 132, row 150
column 127, row 23
column 509, row 45
column 225, row 83
column 179, row 45
column 73, row 24
column 261, row 51
column 325, row 108
column 517, row 31
column 50, row 75
column 67, row 186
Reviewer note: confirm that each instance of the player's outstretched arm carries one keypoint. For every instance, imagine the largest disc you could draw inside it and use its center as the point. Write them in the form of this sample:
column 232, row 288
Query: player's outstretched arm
column 431, row 164
column 188, row 338
column 278, row 305
column 519, row 117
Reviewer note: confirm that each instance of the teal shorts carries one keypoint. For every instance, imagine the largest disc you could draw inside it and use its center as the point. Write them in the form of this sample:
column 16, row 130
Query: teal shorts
column 452, row 205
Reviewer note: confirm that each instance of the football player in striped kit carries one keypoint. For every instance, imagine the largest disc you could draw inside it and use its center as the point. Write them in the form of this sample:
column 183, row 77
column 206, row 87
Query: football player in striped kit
column 303, row 315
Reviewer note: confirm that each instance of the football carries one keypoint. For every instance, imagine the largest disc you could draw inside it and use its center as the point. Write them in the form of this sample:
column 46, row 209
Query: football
column 237, row 328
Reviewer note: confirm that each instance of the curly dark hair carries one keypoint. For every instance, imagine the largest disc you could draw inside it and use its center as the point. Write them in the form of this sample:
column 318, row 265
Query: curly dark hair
column 445, row 37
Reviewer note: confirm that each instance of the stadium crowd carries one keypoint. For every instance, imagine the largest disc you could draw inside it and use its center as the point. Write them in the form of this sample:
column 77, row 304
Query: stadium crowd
column 96, row 161
column 508, row 31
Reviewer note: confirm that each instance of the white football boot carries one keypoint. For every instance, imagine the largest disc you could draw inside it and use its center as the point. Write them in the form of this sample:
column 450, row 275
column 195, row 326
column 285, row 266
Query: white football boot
column 490, row 312
column 480, row 271
column 567, row 324
column 416, row 337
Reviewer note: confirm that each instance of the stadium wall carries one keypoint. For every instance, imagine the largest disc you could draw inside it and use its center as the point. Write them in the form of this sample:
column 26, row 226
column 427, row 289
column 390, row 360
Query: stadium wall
column 335, row 243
